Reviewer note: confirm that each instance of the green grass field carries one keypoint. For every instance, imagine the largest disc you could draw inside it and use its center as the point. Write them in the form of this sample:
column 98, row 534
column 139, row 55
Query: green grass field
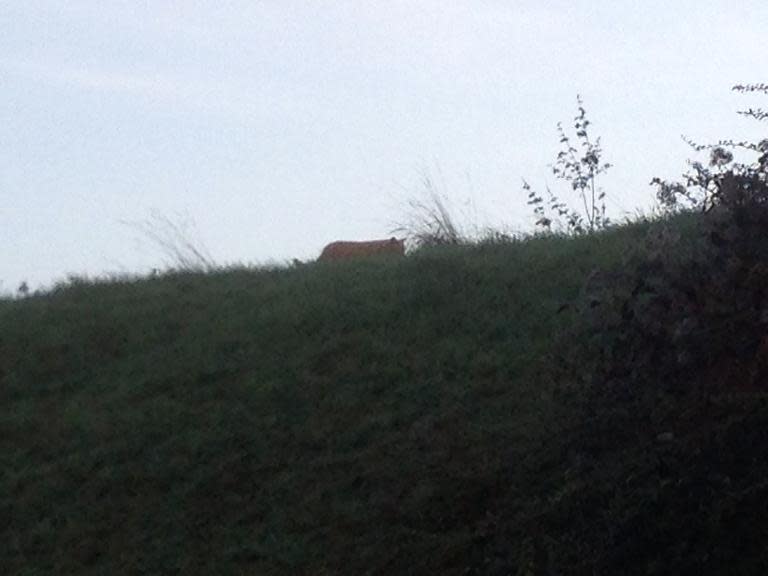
column 385, row 416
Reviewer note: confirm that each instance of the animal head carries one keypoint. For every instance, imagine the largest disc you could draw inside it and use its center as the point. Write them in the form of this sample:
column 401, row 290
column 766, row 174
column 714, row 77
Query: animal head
column 397, row 245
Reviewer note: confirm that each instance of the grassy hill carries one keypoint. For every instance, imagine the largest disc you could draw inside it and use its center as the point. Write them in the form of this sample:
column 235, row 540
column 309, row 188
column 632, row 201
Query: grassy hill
column 438, row 414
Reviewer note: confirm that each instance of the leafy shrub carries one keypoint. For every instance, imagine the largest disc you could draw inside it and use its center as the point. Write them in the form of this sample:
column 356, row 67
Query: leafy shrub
column 702, row 185
column 661, row 378
column 661, row 382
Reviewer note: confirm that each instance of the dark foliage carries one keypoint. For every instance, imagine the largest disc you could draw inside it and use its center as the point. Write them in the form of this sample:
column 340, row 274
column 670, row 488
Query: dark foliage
column 663, row 381
column 702, row 185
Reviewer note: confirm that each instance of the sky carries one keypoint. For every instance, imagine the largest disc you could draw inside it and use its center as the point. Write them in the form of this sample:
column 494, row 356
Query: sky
column 268, row 128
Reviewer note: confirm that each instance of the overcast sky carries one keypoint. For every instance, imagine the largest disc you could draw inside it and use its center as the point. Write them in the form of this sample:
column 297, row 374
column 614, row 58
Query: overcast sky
column 276, row 126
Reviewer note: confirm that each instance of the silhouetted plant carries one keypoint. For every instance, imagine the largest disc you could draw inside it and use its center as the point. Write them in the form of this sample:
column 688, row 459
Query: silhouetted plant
column 578, row 164
column 701, row 188
column 700, row 308
column 430, row 220
column 667, row 345
column 174, row 239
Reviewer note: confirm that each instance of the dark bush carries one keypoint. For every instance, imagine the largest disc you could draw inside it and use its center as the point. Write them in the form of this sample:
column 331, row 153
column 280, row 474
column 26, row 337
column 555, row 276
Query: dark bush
column 662, row 380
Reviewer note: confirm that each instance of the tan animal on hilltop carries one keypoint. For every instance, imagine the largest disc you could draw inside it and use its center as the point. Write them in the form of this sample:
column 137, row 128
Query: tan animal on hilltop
column 346, row 250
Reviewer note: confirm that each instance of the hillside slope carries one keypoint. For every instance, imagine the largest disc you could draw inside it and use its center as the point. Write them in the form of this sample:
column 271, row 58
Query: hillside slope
column 372, row 417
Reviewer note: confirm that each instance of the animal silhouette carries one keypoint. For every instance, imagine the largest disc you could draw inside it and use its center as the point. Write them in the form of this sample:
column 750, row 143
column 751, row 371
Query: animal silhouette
column 347, row 250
